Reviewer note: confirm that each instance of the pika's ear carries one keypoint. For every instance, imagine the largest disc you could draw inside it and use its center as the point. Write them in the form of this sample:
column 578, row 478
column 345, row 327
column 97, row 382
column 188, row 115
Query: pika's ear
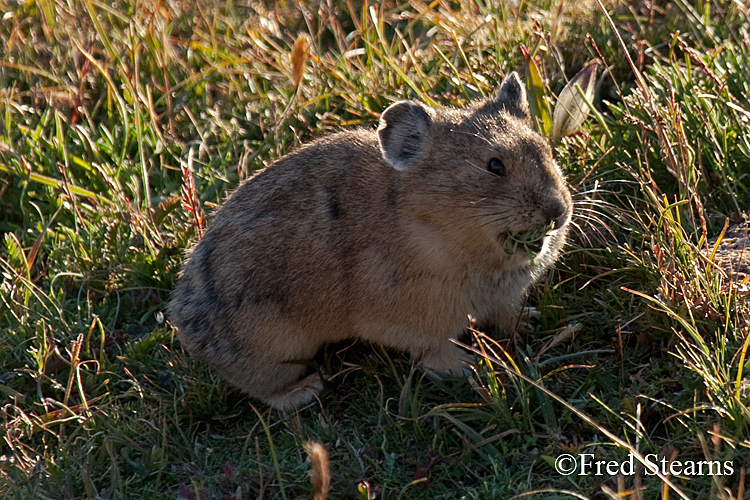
column 512, row 96
column 403, row 133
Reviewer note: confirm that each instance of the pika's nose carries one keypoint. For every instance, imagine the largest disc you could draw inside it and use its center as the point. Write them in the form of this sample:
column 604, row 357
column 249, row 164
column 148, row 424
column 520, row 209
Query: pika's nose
column 556, row 213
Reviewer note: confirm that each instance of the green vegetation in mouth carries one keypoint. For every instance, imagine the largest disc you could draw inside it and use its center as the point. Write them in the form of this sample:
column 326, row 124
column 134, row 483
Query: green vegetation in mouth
column 526, row 240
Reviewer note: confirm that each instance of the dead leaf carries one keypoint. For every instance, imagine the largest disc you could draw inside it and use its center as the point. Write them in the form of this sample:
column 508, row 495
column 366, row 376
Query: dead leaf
column 572, row 107
column 300, row 51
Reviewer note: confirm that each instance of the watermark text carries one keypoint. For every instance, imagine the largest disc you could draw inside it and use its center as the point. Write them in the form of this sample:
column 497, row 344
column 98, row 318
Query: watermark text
column 586, row 464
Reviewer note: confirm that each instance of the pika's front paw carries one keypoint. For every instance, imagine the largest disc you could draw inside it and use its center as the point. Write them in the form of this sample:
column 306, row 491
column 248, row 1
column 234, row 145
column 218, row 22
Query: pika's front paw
column 518, row 322
column 448, row 360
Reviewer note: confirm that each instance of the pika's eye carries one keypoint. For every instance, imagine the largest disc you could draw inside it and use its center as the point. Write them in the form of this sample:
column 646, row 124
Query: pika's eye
column 496, row 167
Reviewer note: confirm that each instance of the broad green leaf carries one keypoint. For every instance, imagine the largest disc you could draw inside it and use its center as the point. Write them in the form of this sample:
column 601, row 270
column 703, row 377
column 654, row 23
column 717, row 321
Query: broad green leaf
column 16, row 256
column 537, row 103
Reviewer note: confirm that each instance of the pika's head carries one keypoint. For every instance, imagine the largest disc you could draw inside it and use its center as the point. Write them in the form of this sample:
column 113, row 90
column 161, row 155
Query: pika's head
column 481, row 170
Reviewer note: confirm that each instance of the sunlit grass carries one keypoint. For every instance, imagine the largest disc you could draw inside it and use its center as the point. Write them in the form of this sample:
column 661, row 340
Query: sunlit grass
column 124, row 125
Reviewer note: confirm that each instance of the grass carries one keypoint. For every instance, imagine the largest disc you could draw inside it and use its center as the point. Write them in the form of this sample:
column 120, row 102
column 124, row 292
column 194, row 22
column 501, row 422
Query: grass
column 123, row 125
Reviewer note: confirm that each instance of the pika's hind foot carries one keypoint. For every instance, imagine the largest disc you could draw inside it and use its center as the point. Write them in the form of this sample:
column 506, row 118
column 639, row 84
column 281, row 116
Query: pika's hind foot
column 448, row 360
column 297, row 394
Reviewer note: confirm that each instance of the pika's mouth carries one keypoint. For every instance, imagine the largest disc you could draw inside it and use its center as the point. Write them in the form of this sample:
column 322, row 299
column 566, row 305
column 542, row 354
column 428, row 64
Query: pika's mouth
column 531, row 242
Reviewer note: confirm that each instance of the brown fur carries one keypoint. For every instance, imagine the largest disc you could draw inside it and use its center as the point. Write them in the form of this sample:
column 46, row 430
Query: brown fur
column 392, row 236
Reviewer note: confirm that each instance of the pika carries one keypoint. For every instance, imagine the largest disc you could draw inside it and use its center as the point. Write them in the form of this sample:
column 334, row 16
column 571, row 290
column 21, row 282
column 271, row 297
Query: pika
column 392, row 235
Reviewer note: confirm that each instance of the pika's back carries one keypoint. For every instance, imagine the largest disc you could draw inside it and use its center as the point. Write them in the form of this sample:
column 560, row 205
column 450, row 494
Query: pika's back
column 280, row 237
column 313, row 177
